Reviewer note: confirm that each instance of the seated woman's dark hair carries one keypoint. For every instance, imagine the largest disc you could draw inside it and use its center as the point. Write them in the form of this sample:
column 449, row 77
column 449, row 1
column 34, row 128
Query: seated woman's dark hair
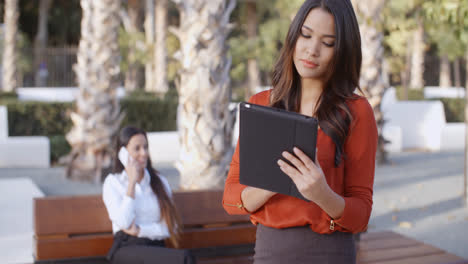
column 341, row 81
column 168, row 210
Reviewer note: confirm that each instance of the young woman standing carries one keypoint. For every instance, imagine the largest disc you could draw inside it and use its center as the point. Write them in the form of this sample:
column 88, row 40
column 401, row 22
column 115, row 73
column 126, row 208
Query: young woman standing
column 317, row 74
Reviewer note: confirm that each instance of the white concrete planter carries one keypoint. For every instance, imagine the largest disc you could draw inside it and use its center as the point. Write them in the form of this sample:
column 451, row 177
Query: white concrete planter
column 443, row 92
column 453, row 136
column 26, row 152
column 421, row 123
column 53, row 94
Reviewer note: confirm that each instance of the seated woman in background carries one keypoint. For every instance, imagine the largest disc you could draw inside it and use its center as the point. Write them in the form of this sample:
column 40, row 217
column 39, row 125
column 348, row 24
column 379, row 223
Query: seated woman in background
column 140, row 207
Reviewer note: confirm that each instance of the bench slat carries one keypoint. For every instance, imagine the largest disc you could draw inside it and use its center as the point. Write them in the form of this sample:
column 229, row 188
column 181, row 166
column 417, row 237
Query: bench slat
column 70, row 215
column 443, row 258
column 247, row 259
column 372, row 256
column 219, row 236
column 203, row 207
column 368, row 236
column 394, row 242
column 58, row 215
column 85, row 246
column 82, row 246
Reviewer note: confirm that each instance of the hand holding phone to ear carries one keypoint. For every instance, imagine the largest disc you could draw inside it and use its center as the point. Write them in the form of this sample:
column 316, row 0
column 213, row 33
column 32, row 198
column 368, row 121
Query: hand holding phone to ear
column 131, row 166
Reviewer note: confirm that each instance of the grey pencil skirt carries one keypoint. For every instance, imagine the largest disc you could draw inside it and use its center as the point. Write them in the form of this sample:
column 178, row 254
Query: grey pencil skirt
column 299, row 245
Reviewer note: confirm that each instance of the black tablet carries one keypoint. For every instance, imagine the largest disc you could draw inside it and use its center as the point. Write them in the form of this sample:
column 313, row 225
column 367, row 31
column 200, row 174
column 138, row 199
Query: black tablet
column 265, row 132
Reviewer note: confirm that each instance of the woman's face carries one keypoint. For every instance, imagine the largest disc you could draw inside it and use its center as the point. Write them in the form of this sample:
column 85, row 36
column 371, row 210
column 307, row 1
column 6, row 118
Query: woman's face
column 138, row 149
column 315, row 45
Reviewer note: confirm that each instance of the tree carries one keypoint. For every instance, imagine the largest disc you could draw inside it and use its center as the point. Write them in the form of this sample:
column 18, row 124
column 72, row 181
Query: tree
column 371, row 82
column 160, row 50
column 447, row 30
column 452, row 15
column 150, row 35
column 132, row 51
column 417, row 56
column 404, row 24
column 40, row 42
column 205, row 122
column 252, row 65
column 444, row 77
column 274, row 18
column 465, row 171
column 9, row 46
column 97, row 117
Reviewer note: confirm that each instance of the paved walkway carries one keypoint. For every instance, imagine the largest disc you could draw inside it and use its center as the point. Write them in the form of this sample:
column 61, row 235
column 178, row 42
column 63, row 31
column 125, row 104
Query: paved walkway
column 16, row 222
column 418, row 195
column 421, row 196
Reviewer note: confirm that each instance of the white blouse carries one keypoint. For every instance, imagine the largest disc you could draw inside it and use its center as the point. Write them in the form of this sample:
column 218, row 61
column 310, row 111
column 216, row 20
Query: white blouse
column 144, row 209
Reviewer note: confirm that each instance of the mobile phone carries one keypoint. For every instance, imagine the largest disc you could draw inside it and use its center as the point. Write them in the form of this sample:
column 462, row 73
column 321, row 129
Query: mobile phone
column 123, row 156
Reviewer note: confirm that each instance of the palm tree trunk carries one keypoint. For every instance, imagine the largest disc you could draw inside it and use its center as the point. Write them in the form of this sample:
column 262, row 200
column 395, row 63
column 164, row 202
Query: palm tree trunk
column 417, row 58
column 444, row 77
column 204, row 120
column 406, row 72
column 9, row 69
column 252, row 65
column 97, row 117
column 150, row 39
column 133, row 71
column 40, row 42
column 372, row 81
column 456, row 72
column 465, row 179
column 160, row 51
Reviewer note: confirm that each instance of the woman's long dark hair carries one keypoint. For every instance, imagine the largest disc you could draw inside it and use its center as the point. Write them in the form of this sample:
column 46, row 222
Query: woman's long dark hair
column 341, row 81
column 168, row 210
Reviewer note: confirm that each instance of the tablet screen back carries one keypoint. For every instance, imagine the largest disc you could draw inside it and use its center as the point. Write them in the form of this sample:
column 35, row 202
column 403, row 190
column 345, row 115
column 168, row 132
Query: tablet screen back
column 265, row 133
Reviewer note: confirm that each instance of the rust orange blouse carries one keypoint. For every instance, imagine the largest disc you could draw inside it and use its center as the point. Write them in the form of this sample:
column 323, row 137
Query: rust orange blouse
column 353, row 180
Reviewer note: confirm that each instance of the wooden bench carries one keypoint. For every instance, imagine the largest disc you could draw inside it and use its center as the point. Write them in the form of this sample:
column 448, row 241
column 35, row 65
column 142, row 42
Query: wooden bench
column 77, row 230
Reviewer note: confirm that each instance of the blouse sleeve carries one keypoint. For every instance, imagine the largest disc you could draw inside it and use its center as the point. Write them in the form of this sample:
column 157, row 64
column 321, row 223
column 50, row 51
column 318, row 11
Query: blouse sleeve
column 156, row 230
column 121, row 210
column 359, row 167
column 232, row 201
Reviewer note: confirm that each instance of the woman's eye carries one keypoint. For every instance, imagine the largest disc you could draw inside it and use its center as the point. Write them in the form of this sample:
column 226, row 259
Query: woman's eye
column 304, row 35
column 329, row 44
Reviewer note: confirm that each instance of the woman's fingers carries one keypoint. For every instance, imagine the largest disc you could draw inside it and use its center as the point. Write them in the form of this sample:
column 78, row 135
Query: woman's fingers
column 316, row 160
column 304, row 158
column 292, row 172
column 295, row 161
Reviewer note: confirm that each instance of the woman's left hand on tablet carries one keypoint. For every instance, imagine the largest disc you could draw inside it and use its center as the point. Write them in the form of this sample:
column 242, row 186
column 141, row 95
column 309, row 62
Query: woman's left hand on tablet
column 307, row 175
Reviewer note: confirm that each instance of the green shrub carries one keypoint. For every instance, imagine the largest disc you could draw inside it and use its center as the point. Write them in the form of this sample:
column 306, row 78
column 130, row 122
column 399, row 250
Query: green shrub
column 58, row 147
column 8, row 95
column 150, row 113
column 412, row 94
column 454, row 109
column 30, row 118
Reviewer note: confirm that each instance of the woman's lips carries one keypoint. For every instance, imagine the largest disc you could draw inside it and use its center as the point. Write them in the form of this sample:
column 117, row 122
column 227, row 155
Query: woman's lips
column 309, row 64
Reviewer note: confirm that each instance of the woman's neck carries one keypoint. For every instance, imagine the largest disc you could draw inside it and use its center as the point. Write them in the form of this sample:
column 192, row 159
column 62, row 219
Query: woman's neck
column 311, row 90
column 141, row 175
